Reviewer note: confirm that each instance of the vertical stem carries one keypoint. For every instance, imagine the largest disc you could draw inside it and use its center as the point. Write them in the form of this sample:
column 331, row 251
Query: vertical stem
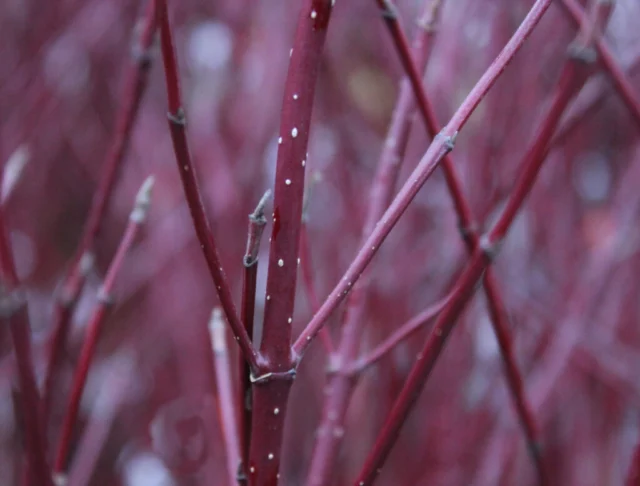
column 134, row 86
column 271, row 388
column 257, row 223
column 186, row 168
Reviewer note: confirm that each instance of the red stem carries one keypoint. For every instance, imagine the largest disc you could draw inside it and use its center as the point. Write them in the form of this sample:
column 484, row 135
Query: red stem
column 588, row 107
column 95, row 325
column 618, row 77
column 306, row 267
column 187, row 172
column 134, row 86
column 257, row 223
column 633, row 476
column 573, row 77
column 405, row 331
column 437, row 150
column 470, row 236
column 225, row 396
column 272, row 386
column 340, row 383
column 111, row 398
column 13, row 309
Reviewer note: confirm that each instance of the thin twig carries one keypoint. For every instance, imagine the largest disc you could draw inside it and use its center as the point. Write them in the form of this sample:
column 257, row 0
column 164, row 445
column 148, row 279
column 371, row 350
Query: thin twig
column 404, row 332
column 618, row 77
column 257, row 223
column 273, row 384
column 437, row 150
column 135, row 83
column 225, row 395
column 340, row 383
column 575, row 73
column 470, row 236
column 136, row 219
column 109, row 401
column 186, row 168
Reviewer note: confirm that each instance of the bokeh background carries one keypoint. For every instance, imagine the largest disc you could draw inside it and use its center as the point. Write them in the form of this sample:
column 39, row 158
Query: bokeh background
column 568, row 270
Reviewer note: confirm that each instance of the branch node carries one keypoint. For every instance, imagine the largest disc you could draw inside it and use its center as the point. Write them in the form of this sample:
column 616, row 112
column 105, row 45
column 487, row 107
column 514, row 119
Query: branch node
column 581, row 53
column 273, row 376
column 389, row 10
column 449, row 140
column 178, row 118
column 143, row 201
column 60, row 479
column 105, row 298
column 489, row 248
column 258, row 214
column 467, row 232
column 141, row 56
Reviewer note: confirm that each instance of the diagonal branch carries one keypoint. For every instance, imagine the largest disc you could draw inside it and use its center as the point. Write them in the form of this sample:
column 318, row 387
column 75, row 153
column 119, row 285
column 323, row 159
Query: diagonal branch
column 470, row 236
column 574, row 75
column 441, row 145
column 340, row 383
column 618, row 77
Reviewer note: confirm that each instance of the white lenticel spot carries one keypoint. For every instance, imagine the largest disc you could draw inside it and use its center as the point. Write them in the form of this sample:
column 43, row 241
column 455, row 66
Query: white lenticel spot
column 295, row 96
column 270, row 456
column 281, row 263
column 268, row 297
column 304, row 162
column 314, row 14
column 288, row 182
column 294, row 132
column 276, row 411
column 279, row 140
column 289, row 320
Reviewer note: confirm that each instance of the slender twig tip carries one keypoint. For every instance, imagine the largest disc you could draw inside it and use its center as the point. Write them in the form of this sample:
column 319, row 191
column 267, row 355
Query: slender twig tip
column 60, row 479
column 86, row 263
column 13, row 170
column 216, row 331
column 258, row 213
column 143, row 201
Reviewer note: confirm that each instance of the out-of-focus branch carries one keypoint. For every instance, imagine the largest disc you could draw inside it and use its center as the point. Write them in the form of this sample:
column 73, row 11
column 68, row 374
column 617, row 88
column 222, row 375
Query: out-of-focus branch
column 135, row 83
column 136, row 219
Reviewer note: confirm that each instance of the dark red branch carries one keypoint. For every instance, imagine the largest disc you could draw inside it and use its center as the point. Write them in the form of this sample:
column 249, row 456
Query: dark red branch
column 186, row 168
